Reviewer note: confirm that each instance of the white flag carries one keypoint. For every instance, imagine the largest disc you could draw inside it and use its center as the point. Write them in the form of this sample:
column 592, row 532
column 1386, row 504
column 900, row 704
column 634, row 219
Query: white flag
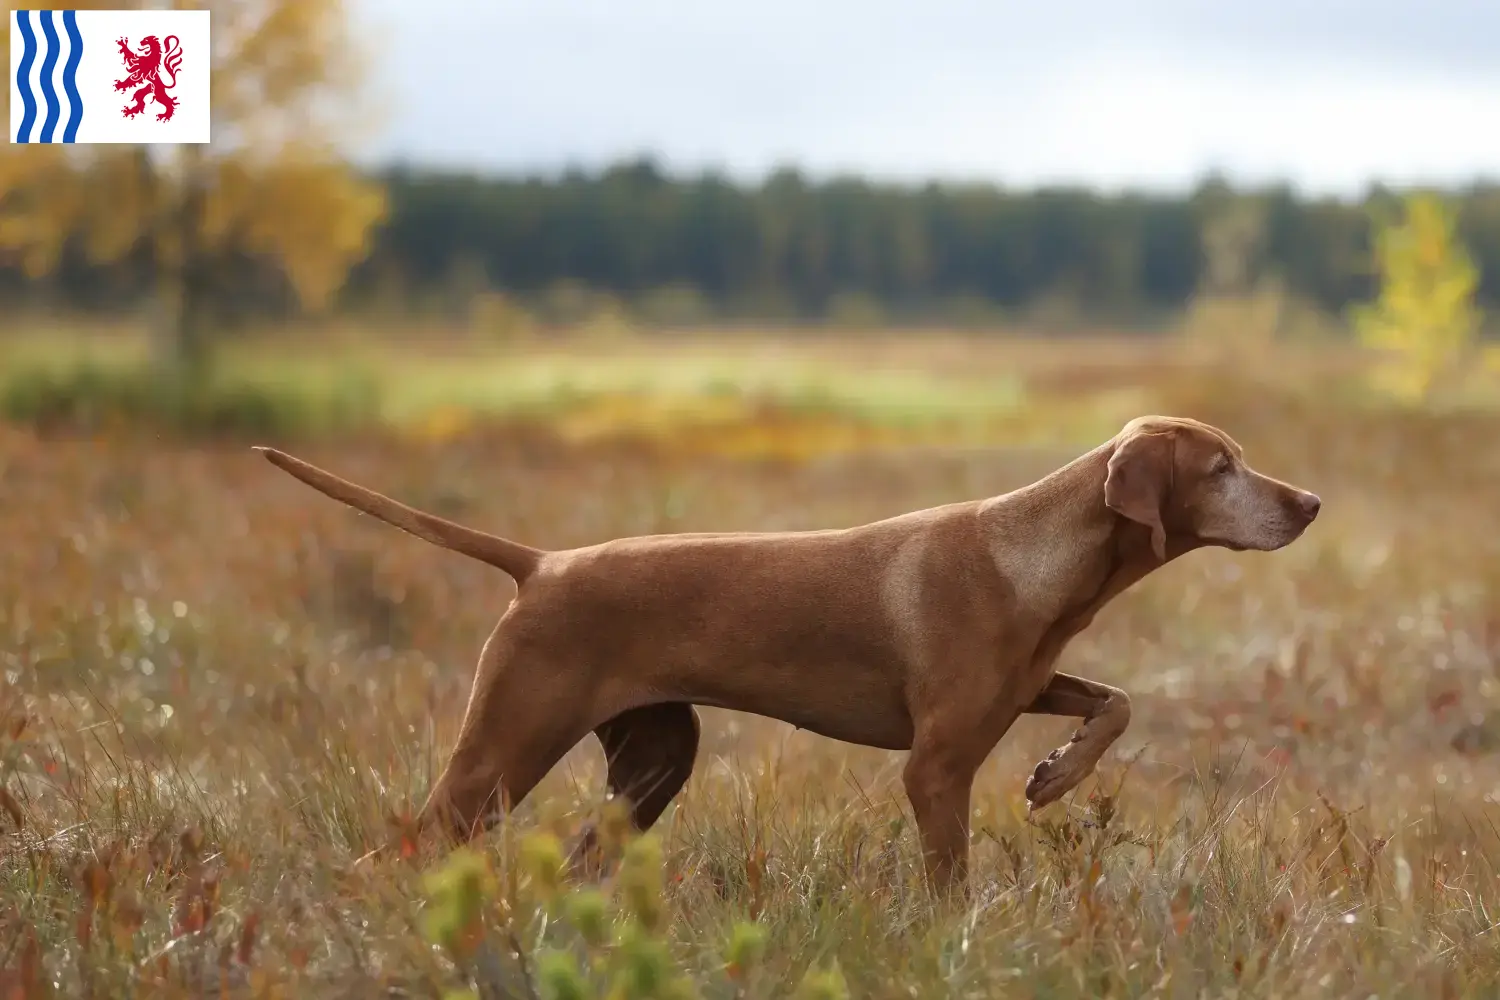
column 92, row 76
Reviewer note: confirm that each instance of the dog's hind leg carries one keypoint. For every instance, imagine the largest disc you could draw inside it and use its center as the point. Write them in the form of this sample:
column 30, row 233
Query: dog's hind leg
column 649, row 752
column 523, row 715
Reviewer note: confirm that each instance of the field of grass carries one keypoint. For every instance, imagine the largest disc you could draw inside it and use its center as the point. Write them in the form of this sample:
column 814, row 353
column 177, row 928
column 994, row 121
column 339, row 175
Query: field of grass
column 768, row 395
column 221, row 690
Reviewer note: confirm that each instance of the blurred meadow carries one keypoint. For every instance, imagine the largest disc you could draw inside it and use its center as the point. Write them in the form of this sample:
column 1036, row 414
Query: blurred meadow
column 220, row 691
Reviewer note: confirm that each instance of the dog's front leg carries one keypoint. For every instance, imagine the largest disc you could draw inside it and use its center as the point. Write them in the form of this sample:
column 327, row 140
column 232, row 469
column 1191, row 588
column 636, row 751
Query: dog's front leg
column 958, row 716
column 1105, row 711
column 938, row 785
column 950, row 743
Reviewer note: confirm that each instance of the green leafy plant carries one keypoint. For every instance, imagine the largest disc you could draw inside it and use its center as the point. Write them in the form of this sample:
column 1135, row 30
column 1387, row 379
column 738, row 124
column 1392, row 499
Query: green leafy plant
column 609, row 945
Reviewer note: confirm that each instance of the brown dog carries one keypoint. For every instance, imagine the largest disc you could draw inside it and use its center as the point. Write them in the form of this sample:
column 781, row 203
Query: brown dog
column 930, row 631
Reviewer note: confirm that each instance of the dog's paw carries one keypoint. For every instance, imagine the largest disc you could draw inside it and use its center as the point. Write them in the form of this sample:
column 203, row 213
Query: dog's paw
column 1053, row 778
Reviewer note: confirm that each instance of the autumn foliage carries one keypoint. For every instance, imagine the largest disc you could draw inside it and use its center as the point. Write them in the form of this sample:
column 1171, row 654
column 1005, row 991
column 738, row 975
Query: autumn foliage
column 270, row 186
column 1424, row 322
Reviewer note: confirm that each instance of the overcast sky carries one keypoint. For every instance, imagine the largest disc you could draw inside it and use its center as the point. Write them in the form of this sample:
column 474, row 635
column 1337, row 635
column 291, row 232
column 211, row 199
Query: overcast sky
column 1143, row 93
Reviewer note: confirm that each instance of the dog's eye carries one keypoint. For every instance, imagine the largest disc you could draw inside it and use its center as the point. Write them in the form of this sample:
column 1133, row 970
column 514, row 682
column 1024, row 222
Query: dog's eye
column 1222, row 466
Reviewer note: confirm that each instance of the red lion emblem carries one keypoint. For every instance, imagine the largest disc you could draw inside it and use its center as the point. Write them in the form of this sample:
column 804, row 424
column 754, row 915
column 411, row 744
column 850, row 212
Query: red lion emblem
column 146, row 68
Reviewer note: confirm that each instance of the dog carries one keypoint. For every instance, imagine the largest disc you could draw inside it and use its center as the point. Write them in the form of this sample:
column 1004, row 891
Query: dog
column 929, row 632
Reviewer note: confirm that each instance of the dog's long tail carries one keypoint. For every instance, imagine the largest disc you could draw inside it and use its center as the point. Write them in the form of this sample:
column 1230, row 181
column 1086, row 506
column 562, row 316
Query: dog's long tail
column 520, row 561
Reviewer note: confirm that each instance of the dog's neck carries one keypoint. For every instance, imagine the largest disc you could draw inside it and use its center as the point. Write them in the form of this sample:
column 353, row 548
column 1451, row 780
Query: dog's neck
column 1056, row 539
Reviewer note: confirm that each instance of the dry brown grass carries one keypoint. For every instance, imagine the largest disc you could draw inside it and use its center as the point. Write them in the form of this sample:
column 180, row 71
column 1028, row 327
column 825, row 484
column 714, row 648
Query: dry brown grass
column 220, row 686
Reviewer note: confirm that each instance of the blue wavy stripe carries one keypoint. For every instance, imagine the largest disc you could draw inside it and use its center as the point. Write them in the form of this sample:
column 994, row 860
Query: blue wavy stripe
column 23, row 75
column 70, row 76
column 49, row 63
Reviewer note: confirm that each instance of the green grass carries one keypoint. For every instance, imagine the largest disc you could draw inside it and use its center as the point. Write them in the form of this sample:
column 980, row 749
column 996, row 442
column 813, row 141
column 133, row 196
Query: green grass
column 289, row 390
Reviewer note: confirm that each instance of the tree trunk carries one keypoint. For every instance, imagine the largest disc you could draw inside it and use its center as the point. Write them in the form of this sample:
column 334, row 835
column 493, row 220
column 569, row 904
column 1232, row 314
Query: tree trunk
column 182, row 320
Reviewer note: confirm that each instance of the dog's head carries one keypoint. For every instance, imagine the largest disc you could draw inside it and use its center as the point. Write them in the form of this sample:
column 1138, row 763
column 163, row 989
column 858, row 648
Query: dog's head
column 1189, row 482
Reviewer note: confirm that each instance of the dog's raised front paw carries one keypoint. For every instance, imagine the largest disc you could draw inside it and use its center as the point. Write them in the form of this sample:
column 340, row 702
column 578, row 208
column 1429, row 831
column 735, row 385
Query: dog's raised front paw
column 1053, row 778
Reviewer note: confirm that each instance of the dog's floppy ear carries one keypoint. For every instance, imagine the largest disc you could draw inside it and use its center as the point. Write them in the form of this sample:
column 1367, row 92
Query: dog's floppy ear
column 1140, row 477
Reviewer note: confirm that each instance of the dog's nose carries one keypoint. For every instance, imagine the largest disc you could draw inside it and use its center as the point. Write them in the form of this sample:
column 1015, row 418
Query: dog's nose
column 1310, row 504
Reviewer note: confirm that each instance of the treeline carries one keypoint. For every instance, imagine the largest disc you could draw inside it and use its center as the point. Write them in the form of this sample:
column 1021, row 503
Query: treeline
column 790, row 246
column 703, row 247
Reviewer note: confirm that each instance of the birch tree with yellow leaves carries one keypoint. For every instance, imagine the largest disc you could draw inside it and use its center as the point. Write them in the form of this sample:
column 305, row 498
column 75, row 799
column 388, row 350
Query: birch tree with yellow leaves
column 1424, row 321
column 271, row 184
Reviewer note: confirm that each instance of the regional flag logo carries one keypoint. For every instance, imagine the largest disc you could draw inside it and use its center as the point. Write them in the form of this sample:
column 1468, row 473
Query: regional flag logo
column 109, row 76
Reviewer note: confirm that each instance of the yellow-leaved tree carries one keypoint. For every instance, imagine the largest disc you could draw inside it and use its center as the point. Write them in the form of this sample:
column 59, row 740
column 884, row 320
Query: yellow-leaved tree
column 271, row 185
column 1424, row 321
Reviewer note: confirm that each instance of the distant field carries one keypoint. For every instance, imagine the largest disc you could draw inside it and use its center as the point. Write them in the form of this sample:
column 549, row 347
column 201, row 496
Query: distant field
column 720, row 390
column 232, row 683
